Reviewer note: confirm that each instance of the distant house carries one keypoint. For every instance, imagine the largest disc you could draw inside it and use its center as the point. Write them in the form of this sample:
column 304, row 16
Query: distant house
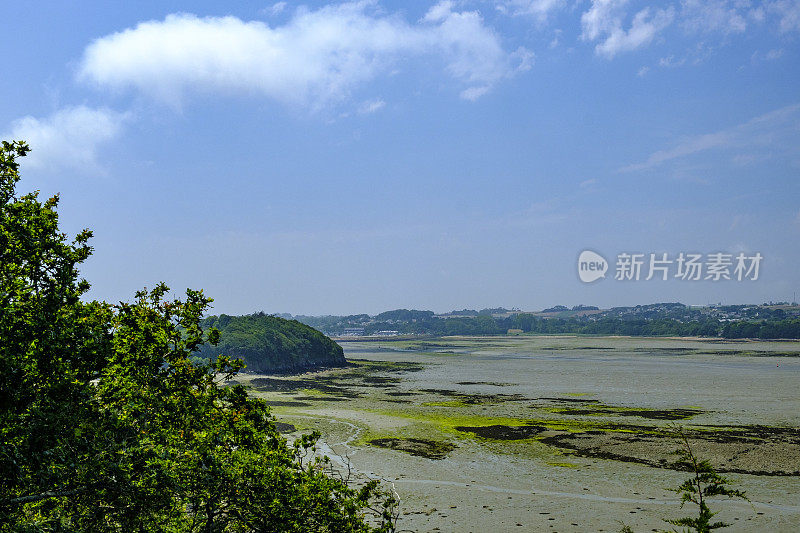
column 353, row 332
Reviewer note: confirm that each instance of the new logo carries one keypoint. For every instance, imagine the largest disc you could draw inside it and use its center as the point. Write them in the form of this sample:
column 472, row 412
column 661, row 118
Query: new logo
column 591, row 266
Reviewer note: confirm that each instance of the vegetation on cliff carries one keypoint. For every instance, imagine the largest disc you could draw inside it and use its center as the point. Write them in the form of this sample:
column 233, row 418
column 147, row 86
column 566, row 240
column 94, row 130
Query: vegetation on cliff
column 269, row 344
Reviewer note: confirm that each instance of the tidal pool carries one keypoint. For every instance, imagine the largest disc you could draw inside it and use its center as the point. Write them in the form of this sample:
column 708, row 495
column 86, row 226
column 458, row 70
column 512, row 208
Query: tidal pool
column 524, row 433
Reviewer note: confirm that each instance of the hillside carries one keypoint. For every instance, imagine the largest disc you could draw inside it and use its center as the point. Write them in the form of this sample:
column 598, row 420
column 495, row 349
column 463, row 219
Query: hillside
column 764, row 321
column 269, row 344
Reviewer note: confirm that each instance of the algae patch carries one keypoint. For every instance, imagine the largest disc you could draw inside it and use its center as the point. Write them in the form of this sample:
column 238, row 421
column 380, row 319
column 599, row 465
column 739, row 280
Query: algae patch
column 286, row 403
column 320, row 399
column 610, row 410
column 492, row 383
column 503, row 432
column 449, row 403
column 476, row 399
column 563, row 465
column 349, row 382
column 591, row 407
column 427, row 448
column 265, row 384
column 758, row 450
column 284, row 427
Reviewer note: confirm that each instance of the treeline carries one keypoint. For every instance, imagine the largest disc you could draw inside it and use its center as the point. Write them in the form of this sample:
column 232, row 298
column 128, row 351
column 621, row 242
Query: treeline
column 269, row 344
column 331, row 324
column 777, row 329
column 528, row 323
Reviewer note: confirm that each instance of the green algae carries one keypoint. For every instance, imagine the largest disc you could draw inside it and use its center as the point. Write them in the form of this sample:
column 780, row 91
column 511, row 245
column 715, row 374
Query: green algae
column 447, row 403
column 449, row 422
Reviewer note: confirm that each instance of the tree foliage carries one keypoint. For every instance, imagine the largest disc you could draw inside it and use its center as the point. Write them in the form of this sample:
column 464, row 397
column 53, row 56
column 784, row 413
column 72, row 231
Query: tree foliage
column 704, row 483
column 404, row 315
column 109, row 423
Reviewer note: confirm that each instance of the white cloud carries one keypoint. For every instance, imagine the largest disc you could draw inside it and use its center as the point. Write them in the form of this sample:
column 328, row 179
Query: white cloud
column 744, row 159
column 616, row 26
column 316, row 58
column 539, row 9
column 670, row 61
column 730, row 17
column 788, row 11
column 690, row 146
column 723, row 16
column 439, row 12
column 555, row 41
column 757, row 14
column 277, row 8
column 544, row 213
column 774, row 131
column 69, row 138
column 643, row 71
column 371, row 106
column 473, row 93
column 600, row 18
column 604, row 22
column 774, row 54
column 770, row 55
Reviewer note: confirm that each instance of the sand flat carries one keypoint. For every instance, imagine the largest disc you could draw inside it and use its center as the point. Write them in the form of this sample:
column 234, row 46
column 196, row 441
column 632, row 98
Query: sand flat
column 604, row 409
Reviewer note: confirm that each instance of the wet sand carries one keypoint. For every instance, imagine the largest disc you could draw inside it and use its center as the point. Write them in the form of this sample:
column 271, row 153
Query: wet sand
column 557, row 433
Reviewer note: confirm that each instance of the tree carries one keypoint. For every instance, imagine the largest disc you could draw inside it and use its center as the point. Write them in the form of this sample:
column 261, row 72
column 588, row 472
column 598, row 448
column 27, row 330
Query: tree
column 704, row 484
column 109, row 423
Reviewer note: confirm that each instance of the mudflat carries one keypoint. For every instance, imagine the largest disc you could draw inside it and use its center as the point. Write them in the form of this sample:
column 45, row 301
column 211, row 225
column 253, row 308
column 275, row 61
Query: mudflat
column 525, row 433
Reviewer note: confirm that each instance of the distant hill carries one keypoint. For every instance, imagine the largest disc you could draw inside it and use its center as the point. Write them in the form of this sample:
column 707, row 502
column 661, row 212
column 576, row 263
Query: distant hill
column 404, row 315
column 269, row 344
column 766, row 321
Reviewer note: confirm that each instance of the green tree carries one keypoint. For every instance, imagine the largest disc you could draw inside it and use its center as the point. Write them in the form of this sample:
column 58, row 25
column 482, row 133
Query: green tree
column 704, row 483
column 109, row 422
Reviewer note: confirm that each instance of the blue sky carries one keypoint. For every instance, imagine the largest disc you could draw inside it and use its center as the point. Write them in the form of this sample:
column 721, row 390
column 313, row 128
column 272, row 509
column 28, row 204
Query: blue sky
column 336, row 158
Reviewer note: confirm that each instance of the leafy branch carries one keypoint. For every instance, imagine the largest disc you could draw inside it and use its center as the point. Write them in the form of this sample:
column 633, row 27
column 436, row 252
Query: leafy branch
column 704, row 483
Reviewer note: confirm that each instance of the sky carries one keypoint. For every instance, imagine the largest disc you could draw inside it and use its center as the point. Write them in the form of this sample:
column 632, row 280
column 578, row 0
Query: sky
column 341, row 158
